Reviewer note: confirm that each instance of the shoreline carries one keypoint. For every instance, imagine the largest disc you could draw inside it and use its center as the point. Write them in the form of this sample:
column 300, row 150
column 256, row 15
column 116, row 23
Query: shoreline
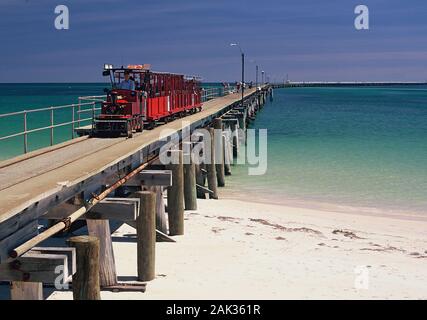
column 326, row 207
column 244, row 250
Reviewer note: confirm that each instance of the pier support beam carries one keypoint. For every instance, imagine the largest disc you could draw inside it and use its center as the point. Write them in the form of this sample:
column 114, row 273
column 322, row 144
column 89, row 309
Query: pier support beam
column 20, row 290
column 219, row 152
column 190, row 192
column 86, row 284
column 227, row 154
column 235, row 139
column 146, row 234
column 161, row 221
column 200, row 179
column 176, row 196
column 212, row 179
column 107, row 267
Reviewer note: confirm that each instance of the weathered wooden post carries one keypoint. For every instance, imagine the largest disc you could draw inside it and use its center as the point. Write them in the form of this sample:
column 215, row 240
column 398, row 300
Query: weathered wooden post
column 146, row 235
column 100, row 228
column 226, row 152
column 161, row 222
column 86, row 285
column 176, row 196
column 235, row 138
column 212, row 179
column 200, row 179
column 219, row 163
column 190, row 192
column 20, row 290
column 242, row 119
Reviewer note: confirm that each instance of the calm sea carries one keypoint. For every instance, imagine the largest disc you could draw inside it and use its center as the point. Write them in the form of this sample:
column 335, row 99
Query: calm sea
column 358, row 148
column 17, row 97
column 327, row 147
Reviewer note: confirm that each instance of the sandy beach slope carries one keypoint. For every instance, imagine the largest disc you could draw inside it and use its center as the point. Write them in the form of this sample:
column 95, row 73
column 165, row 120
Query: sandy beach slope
column 242, row 250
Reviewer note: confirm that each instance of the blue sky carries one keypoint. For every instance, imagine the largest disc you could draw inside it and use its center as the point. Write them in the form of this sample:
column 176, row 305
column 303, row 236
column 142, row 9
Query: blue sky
column 310, row 40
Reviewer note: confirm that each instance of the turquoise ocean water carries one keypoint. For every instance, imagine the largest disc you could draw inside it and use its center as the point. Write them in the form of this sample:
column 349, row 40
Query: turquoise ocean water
column 17, row 97
column 352, row 147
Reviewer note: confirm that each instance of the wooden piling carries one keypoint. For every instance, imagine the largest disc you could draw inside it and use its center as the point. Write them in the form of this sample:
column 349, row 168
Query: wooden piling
column 219, row 164
column 190, row 192
column 200, row 179
column 212, row 179
column 176, row 197
column 226, row 152
column 107, row 268
column 235, row 139
column 146, row 235
column 20, row 290
column 242, row 119
column 161, row 221
column 86, row 285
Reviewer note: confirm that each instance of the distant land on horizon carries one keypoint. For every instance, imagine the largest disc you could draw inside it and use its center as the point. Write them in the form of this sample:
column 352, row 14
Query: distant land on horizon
column 249, row 80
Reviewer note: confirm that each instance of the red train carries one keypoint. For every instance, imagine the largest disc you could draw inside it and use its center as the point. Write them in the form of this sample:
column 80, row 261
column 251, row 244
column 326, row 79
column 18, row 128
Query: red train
column 140, row 99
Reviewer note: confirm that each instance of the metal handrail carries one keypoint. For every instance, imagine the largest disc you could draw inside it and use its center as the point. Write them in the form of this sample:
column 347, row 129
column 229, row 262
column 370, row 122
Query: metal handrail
column 78, row 109
column 92, row 102
column 44, row 109
column 211, row 93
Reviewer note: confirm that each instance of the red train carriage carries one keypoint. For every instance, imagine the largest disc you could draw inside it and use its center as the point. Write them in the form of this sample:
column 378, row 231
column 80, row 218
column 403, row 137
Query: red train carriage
column 155, row 97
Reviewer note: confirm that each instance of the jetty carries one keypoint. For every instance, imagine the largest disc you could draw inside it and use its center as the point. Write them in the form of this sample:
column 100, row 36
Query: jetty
column 294, row 84
column 93, row 180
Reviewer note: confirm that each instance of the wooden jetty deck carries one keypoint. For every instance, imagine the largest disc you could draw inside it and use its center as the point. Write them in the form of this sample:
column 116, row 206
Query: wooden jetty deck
column 310, row 84
column 56, row 182
column 30, row 180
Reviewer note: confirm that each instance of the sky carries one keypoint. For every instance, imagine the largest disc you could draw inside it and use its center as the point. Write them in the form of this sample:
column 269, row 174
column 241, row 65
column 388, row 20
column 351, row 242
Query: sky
column 305, row 40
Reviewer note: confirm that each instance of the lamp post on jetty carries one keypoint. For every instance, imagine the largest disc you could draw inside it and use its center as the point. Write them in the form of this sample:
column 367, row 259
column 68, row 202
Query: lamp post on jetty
column 256, row 77
column 243, row 70
column 262, row 76
column 256, row 72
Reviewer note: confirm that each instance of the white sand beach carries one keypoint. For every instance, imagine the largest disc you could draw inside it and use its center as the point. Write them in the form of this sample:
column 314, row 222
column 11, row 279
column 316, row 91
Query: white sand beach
column 241, row 250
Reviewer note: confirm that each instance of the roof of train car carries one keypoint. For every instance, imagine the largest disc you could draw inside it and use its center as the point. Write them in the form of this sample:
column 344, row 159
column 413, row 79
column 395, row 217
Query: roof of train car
column 133, row 70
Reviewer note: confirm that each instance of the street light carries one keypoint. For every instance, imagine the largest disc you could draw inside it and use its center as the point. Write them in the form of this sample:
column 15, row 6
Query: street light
column 262, row 75
column 243, row 69
column 256, row 73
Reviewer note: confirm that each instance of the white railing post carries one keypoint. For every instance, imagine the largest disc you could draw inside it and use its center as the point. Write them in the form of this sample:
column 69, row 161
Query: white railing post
column 93, row 113
column 25, row 133
column 78, row 111
column 72, row 122
column 51, row 126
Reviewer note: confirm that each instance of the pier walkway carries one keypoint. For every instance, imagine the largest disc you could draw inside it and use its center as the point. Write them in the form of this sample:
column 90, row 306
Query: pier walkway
column 64, row 182
column 35, row 182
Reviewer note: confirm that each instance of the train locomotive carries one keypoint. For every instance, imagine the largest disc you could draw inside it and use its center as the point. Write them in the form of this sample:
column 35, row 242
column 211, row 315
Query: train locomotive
column 155, row 98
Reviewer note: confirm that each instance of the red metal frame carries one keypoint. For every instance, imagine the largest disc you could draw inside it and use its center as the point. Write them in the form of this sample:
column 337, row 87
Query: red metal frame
column 158, row 97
